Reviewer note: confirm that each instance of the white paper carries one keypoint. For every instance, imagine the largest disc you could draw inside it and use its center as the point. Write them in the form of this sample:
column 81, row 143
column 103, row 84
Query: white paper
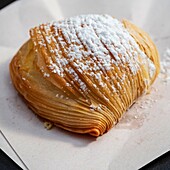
column 139, row 138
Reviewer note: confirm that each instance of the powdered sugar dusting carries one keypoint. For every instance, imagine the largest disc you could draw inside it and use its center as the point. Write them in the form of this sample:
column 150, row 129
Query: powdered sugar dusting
column 92, row 46
column 165, row 64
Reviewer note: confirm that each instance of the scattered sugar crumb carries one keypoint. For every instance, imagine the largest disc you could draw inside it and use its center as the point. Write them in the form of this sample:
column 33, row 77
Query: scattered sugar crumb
column 46, row 75
column 135, row 117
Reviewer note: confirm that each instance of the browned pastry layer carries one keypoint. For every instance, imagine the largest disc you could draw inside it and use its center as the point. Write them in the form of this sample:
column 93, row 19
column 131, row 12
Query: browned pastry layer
column 84, row 72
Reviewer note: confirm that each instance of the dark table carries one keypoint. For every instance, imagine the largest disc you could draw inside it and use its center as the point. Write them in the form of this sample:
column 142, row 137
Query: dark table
column 4, row 3
column 6, row 163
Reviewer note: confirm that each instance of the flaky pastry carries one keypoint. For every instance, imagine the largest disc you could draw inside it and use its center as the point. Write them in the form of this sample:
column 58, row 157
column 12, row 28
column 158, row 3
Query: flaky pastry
column 84, row 72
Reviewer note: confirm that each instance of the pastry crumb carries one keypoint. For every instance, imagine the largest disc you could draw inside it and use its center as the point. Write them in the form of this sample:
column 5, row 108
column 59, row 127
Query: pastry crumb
column 48, row 125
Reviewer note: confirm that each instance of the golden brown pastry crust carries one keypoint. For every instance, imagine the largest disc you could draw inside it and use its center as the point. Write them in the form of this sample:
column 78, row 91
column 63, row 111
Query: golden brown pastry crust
column 78, row 101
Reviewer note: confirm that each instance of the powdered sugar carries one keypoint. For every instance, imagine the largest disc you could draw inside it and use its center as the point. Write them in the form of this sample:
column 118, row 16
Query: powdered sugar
column 165, row 64
column 91, row 45
column 46, row 75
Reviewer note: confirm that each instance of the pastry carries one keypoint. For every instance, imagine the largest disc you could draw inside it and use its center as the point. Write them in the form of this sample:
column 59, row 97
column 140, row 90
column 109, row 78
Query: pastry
column 84, row 72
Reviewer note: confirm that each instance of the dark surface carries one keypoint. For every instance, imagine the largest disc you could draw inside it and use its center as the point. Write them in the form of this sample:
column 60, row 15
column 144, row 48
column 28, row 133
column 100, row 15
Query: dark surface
column 6, row 163
column 161, row 163
column 4, row 3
